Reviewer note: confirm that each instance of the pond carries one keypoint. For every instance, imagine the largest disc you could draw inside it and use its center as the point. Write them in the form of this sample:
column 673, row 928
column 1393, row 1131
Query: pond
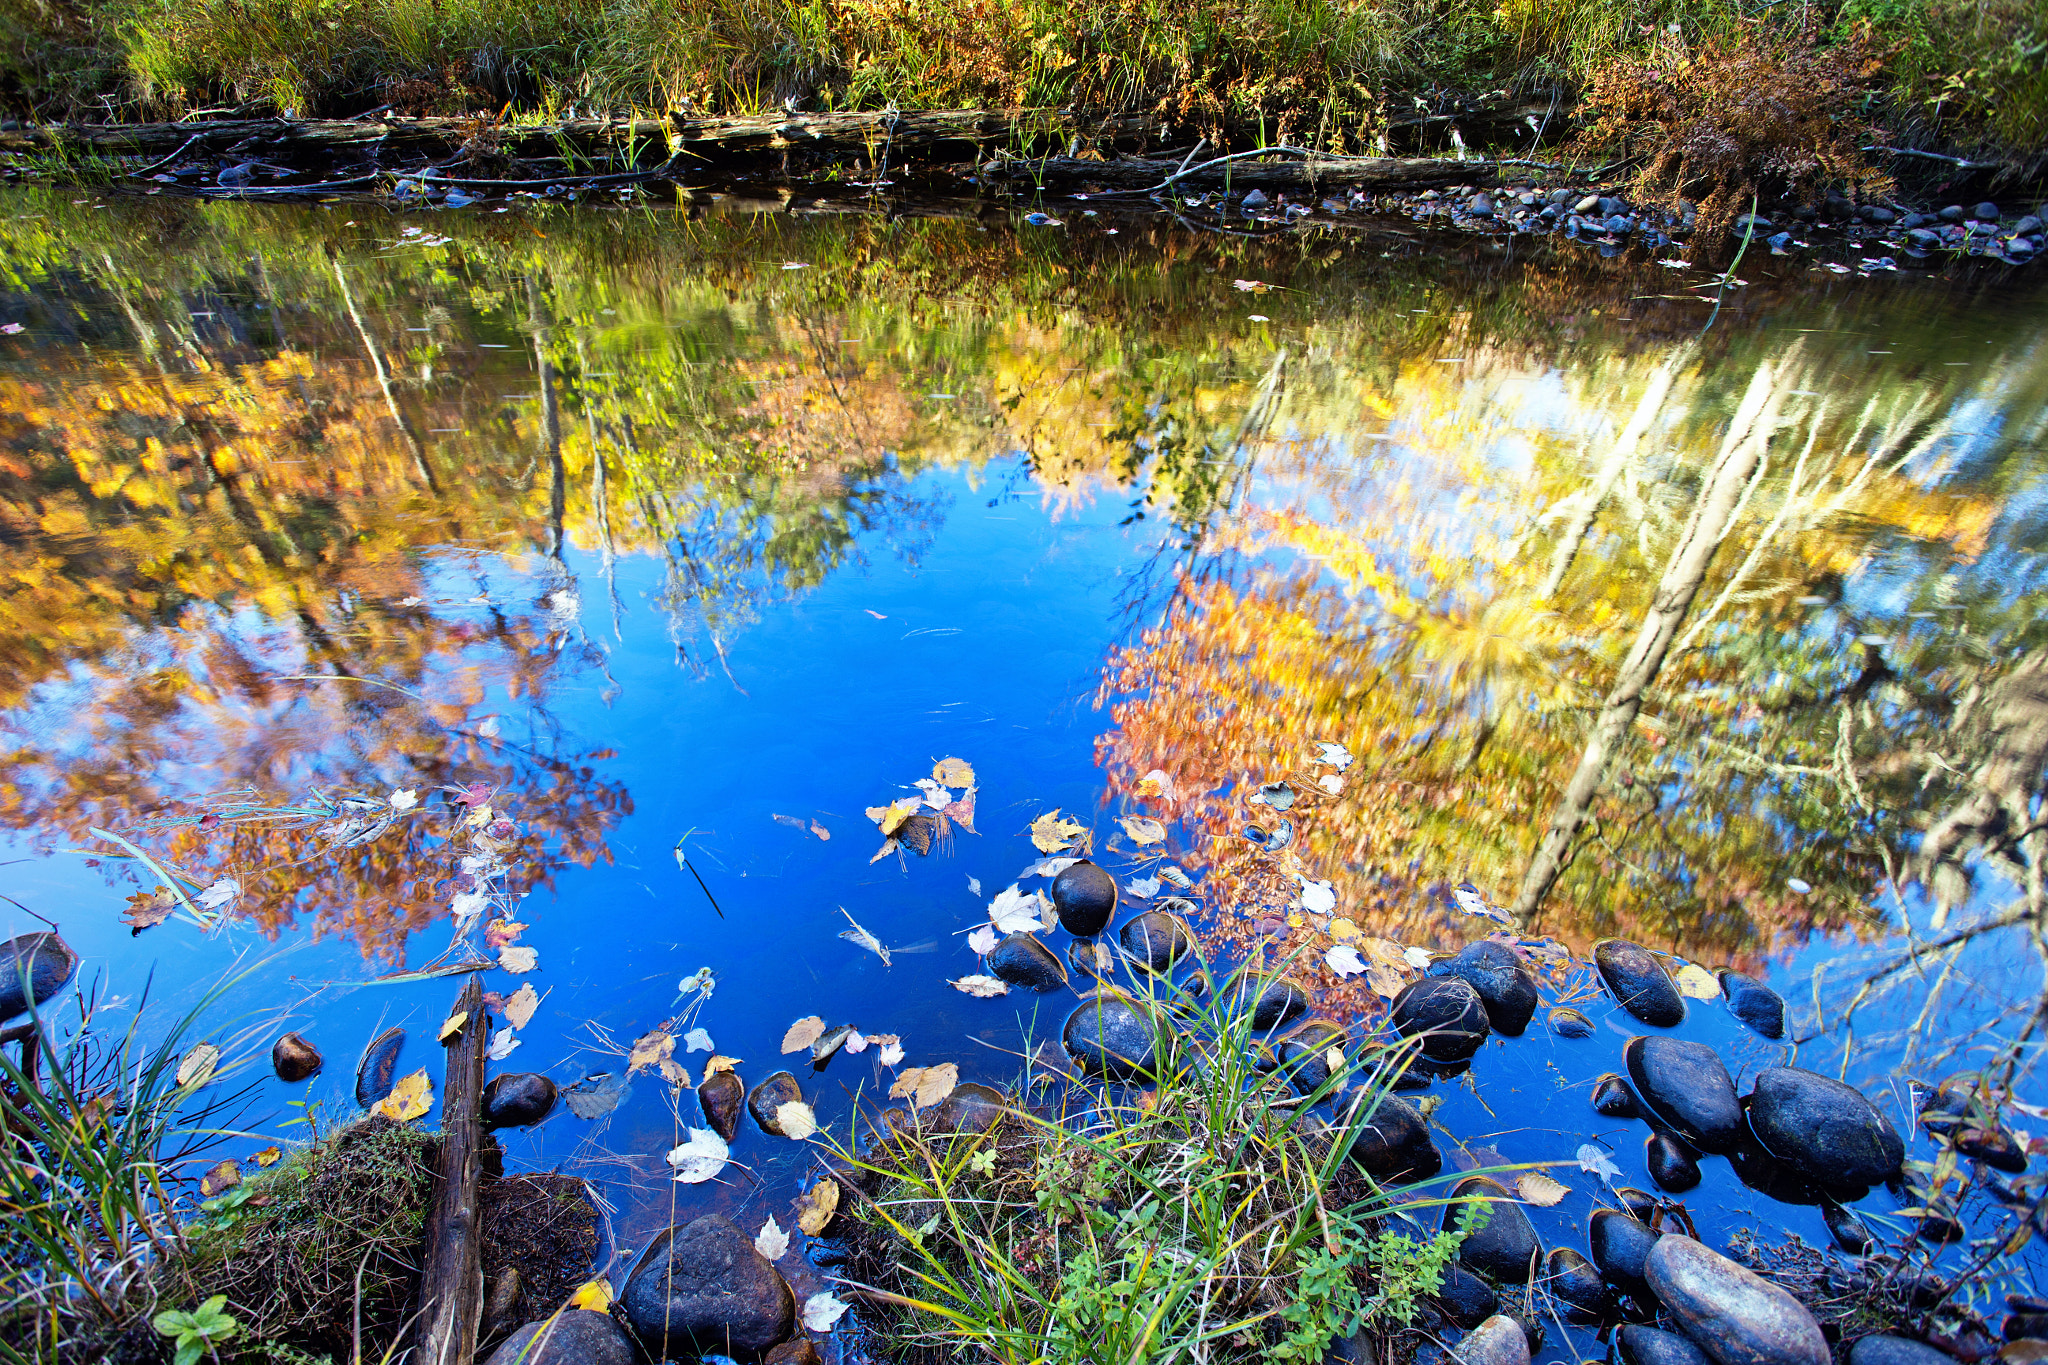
column 687, row 540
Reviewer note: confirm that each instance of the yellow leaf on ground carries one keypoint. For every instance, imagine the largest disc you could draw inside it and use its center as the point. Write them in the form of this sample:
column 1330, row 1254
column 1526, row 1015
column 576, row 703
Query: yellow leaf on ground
column 517, row 957
column 520, row 1007
column 925, row 1086
column 796, row 1120
column 1144, row 830
column 596, row 1296
column 409, row 1099
column 1697, row 982
column 1050, row 834
column 452, row 1026
column 816, row 1211
column 953, row 772
column 224, row 1176
column 197, row 1067
column 1540, row 1189
column 650, row 1049
column 803, row 1033
column 269, row 1157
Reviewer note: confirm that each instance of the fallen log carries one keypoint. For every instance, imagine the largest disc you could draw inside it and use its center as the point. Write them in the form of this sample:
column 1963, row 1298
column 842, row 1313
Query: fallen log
column 452, row 1279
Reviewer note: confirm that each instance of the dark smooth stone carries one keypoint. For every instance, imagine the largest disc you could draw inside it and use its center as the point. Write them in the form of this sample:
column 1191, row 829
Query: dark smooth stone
column 1506, row 986
column 1755, row 1004
column 703, row 1288
column 1156, row 940
column 917, row 834
column 1954, row 1103
column 797, row 1351
column 2027, row 226
column 518, row 1099
column 1393, row 1145
column 1506, row 1248
column 1883, row 1349
column 1567, row 1022
column 1110, row 1036
column 1091, row 958
column 1764, row 1173
column 1685, row 1086
column 1465, row 1298
column 1639, row 1345
column 1671, row 1162
column 574, row 1337
column 1303, row 1053
column 1638, row 982
column 1275, row 1001
column 378, row 1067
column 1952, row 214
column 1619, row 1244
column 2025, row 1325
column 1846, row 1228
column 1446, row 1013
column 1614, row 1097
column 1480, row 206
column 1574, row 1282
column 1985, row 213
column 1822, row 1129
column 33, row 968
column 721, row 1097
column 1499, row 1340
column 971, row 1108
column 293, row 1058
column 1733, row 1314
column 1023, row 961
column 1939, row 1223
column 1638, row 1204
column 1994, row 1147
column 1085, row 897
column 769, row 1096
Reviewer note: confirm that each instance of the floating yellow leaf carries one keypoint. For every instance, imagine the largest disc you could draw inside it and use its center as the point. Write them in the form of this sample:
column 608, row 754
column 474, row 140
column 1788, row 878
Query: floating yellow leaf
column 718, row 1064
column 1144, row 830
column 452, row 1027
column 892, row 816
column 816, row 1211
column 269, row 1157
column 803, row 1033
column 197, row 1067
column 796, row 1120
column 1697, row 982
column 224, row 1176
column 1385, row 981
column 953, row 772
column 925, row 1086
column 520, row 1007
column 595, row 1295
column 650, row 1049
column 1050, row 834
column 409, row 1099
column 1540, row 1189
column 1342, row 929
column 517, row 957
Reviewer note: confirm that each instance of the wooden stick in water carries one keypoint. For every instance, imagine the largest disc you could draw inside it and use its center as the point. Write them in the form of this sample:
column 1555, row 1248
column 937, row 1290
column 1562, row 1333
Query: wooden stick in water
column 452, row 1281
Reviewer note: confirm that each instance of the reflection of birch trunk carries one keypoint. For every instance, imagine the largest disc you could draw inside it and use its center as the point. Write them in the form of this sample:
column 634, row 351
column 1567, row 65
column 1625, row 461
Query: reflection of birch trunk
column 412, row 442
column 1618, row 455
column 1999, row 808
column 1713, row 512
column 550, row 419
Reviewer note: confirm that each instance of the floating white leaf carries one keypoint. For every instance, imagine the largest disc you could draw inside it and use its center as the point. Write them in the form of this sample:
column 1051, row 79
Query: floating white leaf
column 219, row 894
column 1333, row 783
column 1318, row 898
column 1595, row 1161
column 1336, row 755
column 1048, row 867
column 1016, row 912
column 1416, row 957
column 1144, row 888
column 822, row 1311
column 702, row 1157
column 1144, row 830
column 983, row 940
column 936, row 797
column 861, row 938
column 517, row 957
column 503, row 1042
column 974, row 886
column 467, row 907
column 771, row 1241
column 796, row 1120
column 697, row 1040
column 891, row 1053
column 405, row 798
column 1345, row 961
column 981, row 986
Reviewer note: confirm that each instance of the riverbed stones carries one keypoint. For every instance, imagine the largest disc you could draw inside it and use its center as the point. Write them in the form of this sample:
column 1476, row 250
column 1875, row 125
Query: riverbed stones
column 703, row 1288
column 576, row 1336
column 1274, row 1001
column 1506, row 1248
column 1883, row 1349
column 1639, row 1345
column 1022, row 960
column 1755, row 1004
column 1638, row 982
column 378, row 1066
column 1567, row 1022
column 1497, row 1341
column 293, row 1058
column 1092, row 959
column 971, row 1108
column 1846, row 1228
column 1993, row 1146
column 1574, row 1282
column 1506, row 986
column 1156, row 940
column 1109, row 1035
column 1085, row 898
column 1445, row 1013
column 1304, row 1053
column 1620, row 1244
column 33, row 968
column 1393, row 1145
column 1824, row 1130
column 1671, row 1163
column 1465, row 1298
column 721, row 1097
column 1733, row 1314
column 1687, row 1089
column 769, row 1096
column 1615, row 1098
column 518, row 1099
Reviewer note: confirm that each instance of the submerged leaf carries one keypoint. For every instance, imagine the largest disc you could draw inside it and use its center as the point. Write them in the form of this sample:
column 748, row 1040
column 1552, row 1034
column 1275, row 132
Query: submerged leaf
column 676, row 1074
column 1144, row 830
column 596, row 1095
column 650, row 1049
column 1595, row 1161
column 823, row 1311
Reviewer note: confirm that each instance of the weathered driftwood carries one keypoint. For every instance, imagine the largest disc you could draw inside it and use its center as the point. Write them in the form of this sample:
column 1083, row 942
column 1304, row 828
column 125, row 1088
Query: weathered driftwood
column 452, row 1280
column 1350, row 172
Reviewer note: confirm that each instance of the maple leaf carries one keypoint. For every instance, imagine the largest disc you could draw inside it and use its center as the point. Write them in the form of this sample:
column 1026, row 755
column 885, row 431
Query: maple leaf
column 983, row 940
column 475, row 795
column 1050, row 834
column 147, row 909
column 500, row 932
column 1345, row 961
column 697, row 1040
column 823, row 1311
column 772, row 1241
column 1595, row 1161
column 1017, row 912
column 503, row 1043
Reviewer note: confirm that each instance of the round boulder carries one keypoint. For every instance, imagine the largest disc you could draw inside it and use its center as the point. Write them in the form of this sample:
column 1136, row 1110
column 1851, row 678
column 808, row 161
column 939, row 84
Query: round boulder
column 1110, row 1036
column 1733, row 1314
column 1393, row 1144
column 1846, row 1228
column 33, row 968
column 1620, row 1244
column 1687, row 1089
column 1671, row 1162
column 1506, row 986
column 703, row 1288
column 1497, row 1341
column 1822, row 1129
column 1639, row 1345
column 293, row 1058
column 971, row 1108
column 1023, row 961
column 1506, row 1248
column 1890, row 1350
column 769, row 1096
column 575, row 1337
column 1085, row 897
column 721, row 1097
column 518, row 1099
column 1754, row 1003
column 1156, row 940
column 1446, row 1013
column 1575, row 1284
column 1638, row 982
column 378, row 1066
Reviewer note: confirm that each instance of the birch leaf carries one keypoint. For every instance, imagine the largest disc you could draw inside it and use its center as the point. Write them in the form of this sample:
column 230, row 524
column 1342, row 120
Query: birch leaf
column 802, row 1034
column 1144, row 830
column 409, row 1099
column 925, row 1086
column 520, row 1005
column 1050, row 834
column 196, row 1069
column 771, row 1241
column 981, row 987
column 518, row 958
column 796, row 1119
column 1595, row 1161
column 819, row 1207
column 1539, row 1189
column 1318, row 898
column 823, row 1311
column 1345, row 961
column 676, row 1074
column 953, row 772
column 1697, row 982
column 983, row 940
column 702, row 1157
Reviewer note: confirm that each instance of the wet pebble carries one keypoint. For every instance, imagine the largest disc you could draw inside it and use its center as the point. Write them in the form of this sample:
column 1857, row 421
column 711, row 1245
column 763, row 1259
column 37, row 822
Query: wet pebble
column 1686, row 1087
column 1567, row 1022
column 1846, row 1228
column 1672, row 1163
column 1085, row 897
column 1613, row 1097
column 1639, row 1345
column 1506, row 986
column 1733, row 1314
column 1994, row 1147
column 1446, row 1013
column 518, row 1099
column 703, row 1287
column 577, row 1336
column 1638, row 982
column 1274, row 1000
column 917, row 833
column 971, row 1108
column 1754, row 1003
column 1506, row 1248
column 1092, row 959
column 1822, row 1129
column 1883, row 1349
column 1109, row 1035
column 1303, row 1053
column 1497, row 1341
column 1022, row 960
column 1156, row 940
column 721, row 1098
column 378, row 1067
column 1620, row 1244
column 1639, row 1204
column 769, row 1096
column 293, row 1058
column 1393, row 1145
column 1465, row 1298
column 1574, row 1282
column 33, row 968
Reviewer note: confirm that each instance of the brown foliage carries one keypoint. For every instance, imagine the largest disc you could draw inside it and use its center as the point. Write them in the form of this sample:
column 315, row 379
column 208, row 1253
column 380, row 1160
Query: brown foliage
column 1766, row 111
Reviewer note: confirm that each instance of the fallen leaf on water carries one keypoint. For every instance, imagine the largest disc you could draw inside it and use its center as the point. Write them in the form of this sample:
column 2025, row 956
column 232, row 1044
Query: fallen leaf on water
column 520, row 1005
column 925, row 1086
column 1539, row 1189
column 697, row 1040
column 597, row 1095
column 404, row 798
column 818, row 1207
column 792, row 821
column 961, row 812
column 676, row 1074
column 872, row 612
column 954, row 772
column 452, row 1026
column 196, row 1069
column 1144, row 888
column 822, row 1311
column 889, row 845
column 890, row 818
column 500, row 932
column 1250, row 286
column 1345, row 961
column 796, row 1119
column 861, row 938
column 715, row 1064
column 802, row 1034
column 982, row 987
column 1156, row 783
column 1017, row 912
column 593, row 1295
column 1333, row 783
column 503, row 1044
column 1047, row 867
column 1697, row 982
column 702, row 1157
column 1595, row 1161
column 771, row 1241
column 269, row 1157
column 1143, row 829
column 1384, row 951
column 983, row 940
column 1385, row 982
column 517, row 957
column 1318, row 898
column 1335, row 755
column 146, row 909
column 936, row 797
column 1416, row 957
column 1174, row 875
column 223, row 1176
column 650, row 1049
column 891, row 1053
column 219, row 894
column 820, row 831
column 409, row 1099
column 1342, row 930
column 1050, row 834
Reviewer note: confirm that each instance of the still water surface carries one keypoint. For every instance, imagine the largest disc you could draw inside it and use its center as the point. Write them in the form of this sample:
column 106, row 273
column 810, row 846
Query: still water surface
column 721, row 530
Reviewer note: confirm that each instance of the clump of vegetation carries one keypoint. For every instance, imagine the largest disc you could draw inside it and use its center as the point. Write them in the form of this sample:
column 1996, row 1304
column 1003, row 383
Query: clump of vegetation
column 1213, row 1215
column 1767, row 111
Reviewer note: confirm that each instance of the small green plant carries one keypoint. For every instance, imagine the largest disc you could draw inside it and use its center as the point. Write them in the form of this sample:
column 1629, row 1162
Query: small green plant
column 198, row 1332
